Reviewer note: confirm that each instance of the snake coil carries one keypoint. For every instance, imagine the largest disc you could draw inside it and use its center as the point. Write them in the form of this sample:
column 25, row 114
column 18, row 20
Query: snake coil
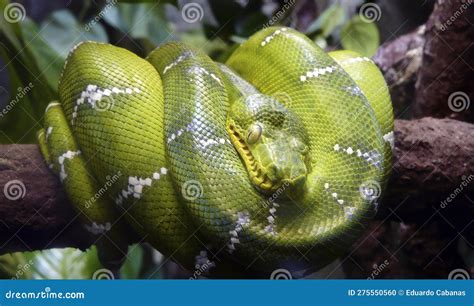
column 274, row 160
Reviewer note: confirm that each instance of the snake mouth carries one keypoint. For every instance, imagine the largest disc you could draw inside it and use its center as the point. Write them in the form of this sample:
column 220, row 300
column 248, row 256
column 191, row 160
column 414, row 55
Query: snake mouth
column 256, row 174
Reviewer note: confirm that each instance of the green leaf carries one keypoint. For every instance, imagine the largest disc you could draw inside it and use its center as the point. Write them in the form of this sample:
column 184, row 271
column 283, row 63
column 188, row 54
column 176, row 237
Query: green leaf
column 250, row 23
column 140, row 21
column 62, row 31
column 65, row 263
column 198, row 39
column 360, row 36
column 328, row 21
column 133, row 264
column 29, row 89
column 16, row 125
column 49, row 62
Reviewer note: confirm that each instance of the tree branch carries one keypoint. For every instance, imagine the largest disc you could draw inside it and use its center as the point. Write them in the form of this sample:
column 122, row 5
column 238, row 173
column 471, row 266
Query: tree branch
column 429, row 71
column 399, row 60
column 42, row 217
column 444, row 82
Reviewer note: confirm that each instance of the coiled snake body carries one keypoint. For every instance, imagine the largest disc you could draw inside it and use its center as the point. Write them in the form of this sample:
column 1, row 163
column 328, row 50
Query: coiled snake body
column 273, row 160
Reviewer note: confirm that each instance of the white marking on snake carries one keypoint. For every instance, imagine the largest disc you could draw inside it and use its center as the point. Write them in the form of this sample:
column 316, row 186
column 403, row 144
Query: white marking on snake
column 210, row 142
column 51, row 105
column 201, row 70
column 349, row 212
column 180, row 58
column 270, row 228
column 98, row 229
column 353, row 90
column 61, row 159
column 243, row 219
column 333, row 194
column 48, row 132
column 136, row 184
column 178, row 133
column 77, row 46
column 269, row 38
column 354, row 60
column 317, row 72
column 204, row 143
column 93, row 94
column 371, row 157
column 390, row 139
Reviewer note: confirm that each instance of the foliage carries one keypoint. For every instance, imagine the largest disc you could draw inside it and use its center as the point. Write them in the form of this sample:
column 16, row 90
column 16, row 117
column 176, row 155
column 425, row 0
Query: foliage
column 67, row 264
column 360, row 36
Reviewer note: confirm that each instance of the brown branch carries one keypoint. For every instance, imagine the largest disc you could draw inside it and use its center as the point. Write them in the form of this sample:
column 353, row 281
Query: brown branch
column 445, row 67
column 42, row 216
column 399, row 60
column 431, row 156
column 425, row 67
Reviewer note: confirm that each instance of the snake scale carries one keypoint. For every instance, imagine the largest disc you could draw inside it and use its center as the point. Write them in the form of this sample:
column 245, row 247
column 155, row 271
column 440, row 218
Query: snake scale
column 273, row 160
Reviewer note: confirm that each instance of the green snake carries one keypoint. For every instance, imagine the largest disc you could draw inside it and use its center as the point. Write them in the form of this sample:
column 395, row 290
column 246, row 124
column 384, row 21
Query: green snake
column 273, row 160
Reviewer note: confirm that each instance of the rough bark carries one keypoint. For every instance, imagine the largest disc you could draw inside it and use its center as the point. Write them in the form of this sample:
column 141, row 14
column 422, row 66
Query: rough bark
column 399, row 60
column 42, row 218
column 433, row 161
column 444, row 86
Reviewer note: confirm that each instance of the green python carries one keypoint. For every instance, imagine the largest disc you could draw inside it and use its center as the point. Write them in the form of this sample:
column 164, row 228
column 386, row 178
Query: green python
column 273, row 160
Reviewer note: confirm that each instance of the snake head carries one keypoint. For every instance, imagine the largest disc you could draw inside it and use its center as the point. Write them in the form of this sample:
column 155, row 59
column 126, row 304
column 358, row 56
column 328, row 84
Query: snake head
column 271, row 141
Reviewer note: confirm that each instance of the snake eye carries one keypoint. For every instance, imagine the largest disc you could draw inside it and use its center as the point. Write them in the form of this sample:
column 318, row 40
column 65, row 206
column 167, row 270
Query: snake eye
column 254, row 134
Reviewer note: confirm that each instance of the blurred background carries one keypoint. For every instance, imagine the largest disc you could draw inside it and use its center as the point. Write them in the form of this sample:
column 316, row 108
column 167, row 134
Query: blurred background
column 33, row 49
